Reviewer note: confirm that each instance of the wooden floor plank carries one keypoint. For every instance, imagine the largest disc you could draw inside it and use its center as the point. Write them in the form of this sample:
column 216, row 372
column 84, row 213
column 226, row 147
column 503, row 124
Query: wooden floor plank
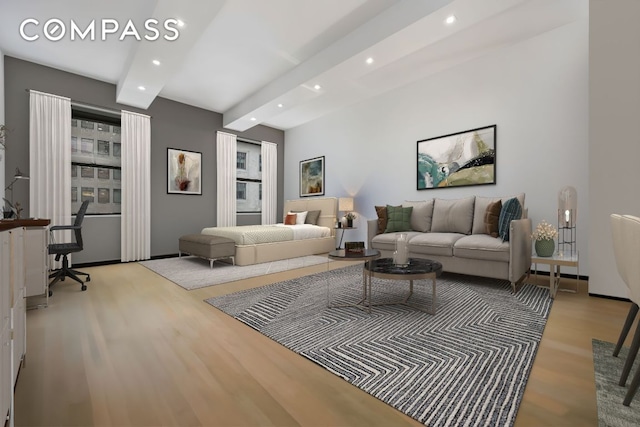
column 135, row 349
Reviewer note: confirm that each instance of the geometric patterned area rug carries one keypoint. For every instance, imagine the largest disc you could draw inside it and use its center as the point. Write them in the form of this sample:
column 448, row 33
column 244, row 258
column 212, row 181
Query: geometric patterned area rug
column 192, row 272
column 611, row 411
column 467, row 365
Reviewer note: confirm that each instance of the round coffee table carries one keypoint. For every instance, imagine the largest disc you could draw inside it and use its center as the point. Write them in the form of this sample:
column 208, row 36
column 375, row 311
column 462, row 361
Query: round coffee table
column 417, row 269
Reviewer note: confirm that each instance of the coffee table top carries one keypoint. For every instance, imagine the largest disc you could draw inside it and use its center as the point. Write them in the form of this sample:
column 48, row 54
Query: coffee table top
column 417, row 266
column 367, row 254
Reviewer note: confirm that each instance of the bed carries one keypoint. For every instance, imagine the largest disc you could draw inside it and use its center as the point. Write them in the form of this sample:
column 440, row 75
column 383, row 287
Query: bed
column 257, row 244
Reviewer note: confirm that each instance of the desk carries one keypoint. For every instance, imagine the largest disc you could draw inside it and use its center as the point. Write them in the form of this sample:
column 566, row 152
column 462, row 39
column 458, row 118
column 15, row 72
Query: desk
column 36, row 241
column 555, row 262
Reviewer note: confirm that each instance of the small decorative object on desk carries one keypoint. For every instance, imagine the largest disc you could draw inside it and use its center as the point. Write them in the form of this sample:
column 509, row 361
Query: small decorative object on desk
column 354, row 247
column 544, row 236
column 401, row 254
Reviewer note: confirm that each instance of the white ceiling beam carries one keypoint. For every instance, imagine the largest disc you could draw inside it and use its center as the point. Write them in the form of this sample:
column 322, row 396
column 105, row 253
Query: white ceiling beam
column 139, row 71
column 387, row 23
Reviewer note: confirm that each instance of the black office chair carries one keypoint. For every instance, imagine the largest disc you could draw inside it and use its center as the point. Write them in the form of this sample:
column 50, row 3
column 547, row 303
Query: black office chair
column 64, row 249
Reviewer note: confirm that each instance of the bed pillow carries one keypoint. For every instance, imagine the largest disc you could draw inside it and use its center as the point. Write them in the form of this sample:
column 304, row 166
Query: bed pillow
column 290, row 219
column 382, row 218
column 300, row 216
column 398, row 218
column 511, row 209
column 312, row 217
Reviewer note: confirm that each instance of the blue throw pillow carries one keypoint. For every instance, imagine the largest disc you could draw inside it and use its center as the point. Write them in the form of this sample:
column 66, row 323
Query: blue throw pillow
column 511, row 209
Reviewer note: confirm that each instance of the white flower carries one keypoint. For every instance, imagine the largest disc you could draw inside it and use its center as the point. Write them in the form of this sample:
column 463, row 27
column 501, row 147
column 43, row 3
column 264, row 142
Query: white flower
column 544, row 231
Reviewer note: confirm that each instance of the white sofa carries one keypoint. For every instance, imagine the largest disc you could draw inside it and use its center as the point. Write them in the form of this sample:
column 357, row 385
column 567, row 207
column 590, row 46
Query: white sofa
column 453, row 232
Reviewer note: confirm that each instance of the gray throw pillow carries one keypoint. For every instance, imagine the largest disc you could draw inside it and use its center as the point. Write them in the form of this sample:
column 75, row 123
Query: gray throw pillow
column 453, row 216
column 421, row 215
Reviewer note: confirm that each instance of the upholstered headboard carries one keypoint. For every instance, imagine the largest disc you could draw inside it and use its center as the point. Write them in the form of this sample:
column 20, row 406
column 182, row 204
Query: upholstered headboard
column 328, row 207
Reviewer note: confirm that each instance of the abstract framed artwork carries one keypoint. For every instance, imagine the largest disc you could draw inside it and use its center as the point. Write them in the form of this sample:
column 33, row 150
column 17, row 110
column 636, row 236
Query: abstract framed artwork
column 312, row 177
column 457, row 160
column 184, row 172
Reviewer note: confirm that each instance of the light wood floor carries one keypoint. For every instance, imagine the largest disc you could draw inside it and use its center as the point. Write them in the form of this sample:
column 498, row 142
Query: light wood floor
column 135, row 349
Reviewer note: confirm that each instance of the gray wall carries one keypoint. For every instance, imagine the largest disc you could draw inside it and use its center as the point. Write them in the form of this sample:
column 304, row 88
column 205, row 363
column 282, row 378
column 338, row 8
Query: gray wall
column 614, row 150
column 173, row 124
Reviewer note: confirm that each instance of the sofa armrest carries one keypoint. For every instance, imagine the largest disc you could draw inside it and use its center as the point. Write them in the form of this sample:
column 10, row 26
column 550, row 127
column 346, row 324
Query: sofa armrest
column 372, row 230
column 519, row 248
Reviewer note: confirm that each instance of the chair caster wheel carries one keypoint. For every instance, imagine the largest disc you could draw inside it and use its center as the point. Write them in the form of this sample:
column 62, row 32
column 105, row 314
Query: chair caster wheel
column 84, row 287
column 88, row 279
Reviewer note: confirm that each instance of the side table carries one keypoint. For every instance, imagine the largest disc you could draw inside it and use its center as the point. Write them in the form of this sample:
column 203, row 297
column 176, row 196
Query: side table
column 367, row 256
column 342, row 234
column 555, row 262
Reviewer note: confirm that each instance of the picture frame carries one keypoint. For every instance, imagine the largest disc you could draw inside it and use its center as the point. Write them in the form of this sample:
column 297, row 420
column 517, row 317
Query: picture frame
column 184, row 172
column 312, row 177
column 457, row 160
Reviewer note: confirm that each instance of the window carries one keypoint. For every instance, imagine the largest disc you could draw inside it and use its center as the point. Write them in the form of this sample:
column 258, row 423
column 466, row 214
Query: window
column 95, row 162
column 249, row 177
column 241, row 162
column 241, row 191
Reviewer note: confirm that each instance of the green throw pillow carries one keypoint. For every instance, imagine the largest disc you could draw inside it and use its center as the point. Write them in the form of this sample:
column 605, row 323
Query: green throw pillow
column 511, row 209
column 398, row 218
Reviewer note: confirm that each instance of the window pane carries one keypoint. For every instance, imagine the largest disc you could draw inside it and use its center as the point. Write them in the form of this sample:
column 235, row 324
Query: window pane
column 103, row 173
column 74, row 144
column 74, row 194
column 103, row 148
column 116, row 149
column 241, row 190
column 117, row 195
column 242, row 160
column 87, row 146
column 87, row 172
column 88, row 194
column 103, row 195
column 74, row 171
column 117, row 173
column 87, row 124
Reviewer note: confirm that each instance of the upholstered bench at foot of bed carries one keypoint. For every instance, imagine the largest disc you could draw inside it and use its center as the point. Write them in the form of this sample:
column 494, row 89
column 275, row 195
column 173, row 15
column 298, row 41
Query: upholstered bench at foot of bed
column 206, row 246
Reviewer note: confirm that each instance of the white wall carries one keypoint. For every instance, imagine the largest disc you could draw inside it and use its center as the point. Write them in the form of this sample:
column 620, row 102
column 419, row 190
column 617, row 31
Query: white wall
column 614, row 139
column 535, row 91
column 2, row 153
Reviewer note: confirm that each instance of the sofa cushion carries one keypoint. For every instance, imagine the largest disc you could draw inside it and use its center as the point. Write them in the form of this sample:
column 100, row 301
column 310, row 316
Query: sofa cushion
column 434, row 243
column 381, row 211
column 398, row 218
column 387, row 241
column 511, row 209
column 482, row 246
column 420, row 215
column 453, row 216
column 492, row 218
column 480, row 208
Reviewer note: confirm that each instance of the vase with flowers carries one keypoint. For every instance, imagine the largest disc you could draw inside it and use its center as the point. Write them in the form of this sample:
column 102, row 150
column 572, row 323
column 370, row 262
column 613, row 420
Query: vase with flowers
column 544, row 236
column 350, row 216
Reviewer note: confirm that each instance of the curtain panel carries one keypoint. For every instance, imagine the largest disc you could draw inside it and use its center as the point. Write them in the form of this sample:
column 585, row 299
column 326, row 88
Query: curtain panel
column 269, row 182
column 50, row 162
column 226, row 155
column 135, row 230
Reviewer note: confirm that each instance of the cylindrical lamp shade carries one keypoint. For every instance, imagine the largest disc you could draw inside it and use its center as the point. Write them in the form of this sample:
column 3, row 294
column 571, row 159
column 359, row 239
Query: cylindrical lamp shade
column 345, row 204
column 568, row 206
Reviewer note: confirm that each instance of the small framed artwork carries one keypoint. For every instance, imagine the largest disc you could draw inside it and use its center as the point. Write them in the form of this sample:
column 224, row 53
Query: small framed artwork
column 184, row 172
column 457, row 160
column 312, row 177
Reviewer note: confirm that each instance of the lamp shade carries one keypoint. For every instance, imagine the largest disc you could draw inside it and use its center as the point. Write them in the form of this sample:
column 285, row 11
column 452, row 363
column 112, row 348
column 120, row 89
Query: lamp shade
column 568, row 206
column 345, row 204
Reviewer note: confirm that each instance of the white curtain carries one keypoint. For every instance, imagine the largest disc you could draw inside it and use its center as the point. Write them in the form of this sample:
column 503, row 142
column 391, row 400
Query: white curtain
column 226, row 154
column 50, row 161
column 135, row 230
column 269, row 182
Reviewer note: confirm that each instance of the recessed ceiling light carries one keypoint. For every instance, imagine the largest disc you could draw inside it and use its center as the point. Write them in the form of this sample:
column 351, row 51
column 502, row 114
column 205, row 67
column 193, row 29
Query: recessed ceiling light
column 142, row 88
column 180, row 23
column 450, row 19
column 317, row 87
column 369, row 61
column 253, row 119
column 156, row 62
column 280, row 105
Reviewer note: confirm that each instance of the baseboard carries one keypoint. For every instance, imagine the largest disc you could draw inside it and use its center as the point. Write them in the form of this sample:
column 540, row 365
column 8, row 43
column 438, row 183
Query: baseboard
column 563, row 275
column 117, row 261
column 609, row 297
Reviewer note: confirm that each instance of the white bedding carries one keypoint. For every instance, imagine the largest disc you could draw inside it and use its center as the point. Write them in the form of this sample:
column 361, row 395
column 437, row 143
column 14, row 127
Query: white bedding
column 255, row 234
